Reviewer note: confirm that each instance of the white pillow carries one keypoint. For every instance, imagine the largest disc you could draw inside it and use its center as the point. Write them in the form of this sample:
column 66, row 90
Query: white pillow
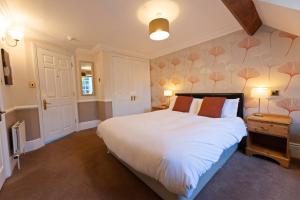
column 172, row 102
column 195, row 106
column 230, row 108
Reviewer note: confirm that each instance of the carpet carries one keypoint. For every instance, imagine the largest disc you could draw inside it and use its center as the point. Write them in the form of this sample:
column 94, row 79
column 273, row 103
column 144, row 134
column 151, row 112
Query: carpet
column 78, row 167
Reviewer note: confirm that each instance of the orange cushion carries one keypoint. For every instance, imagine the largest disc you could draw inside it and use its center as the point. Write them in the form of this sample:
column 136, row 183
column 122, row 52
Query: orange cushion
column 212, row 107
column 183, row 104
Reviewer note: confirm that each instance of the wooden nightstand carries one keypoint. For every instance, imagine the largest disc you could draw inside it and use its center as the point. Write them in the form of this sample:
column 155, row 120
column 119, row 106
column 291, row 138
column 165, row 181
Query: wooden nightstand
column 269, row 136
column 159, row 107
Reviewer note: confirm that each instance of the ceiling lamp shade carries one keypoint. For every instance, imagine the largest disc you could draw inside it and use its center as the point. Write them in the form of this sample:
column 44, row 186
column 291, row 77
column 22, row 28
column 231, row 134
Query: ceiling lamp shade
column 159, row 29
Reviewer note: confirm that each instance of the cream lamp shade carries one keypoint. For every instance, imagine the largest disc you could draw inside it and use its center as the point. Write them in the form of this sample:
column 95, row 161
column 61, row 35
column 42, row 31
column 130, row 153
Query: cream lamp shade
column 168, row 93
column 260, row 92
column 159, row 29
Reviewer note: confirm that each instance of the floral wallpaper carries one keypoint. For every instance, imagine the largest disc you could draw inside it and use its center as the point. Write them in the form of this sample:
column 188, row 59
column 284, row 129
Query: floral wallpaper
column 236, row 63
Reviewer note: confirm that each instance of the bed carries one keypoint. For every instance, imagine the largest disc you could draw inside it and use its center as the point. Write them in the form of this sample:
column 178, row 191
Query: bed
column 175, row 153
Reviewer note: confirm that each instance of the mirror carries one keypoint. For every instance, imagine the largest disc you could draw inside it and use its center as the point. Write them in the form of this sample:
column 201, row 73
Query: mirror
column 87, row 78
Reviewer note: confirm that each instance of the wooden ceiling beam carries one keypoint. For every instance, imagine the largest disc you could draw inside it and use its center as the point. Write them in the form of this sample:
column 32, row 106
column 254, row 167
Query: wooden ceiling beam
column 245, row 13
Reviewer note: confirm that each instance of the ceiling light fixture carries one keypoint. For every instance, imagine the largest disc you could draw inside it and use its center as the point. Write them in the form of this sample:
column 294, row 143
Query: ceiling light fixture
column 159, row 29
column 153, row 9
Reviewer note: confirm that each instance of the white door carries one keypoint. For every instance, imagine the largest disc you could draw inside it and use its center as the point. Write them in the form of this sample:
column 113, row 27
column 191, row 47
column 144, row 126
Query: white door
column 140, row 87
column 57, row 94
column 121, row 86
column 131, row 86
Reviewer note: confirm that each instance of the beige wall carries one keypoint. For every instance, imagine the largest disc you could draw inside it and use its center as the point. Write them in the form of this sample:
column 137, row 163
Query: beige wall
column 98, row 106
column 94, row 110
column 19, row 98
column 237, row 63
column 23, row 70
column 10, row 119
column 105, row 110
column 96, row 58
column 19, row 93
column 88, row 111
column 31, row 118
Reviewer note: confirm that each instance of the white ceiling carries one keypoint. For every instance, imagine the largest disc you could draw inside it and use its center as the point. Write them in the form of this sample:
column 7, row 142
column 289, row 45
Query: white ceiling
column 115, row 24
column 280, row 14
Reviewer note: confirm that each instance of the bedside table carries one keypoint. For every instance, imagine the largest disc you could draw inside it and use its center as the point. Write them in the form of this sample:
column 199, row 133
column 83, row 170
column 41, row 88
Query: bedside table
column 159, row 107
column 269, row 136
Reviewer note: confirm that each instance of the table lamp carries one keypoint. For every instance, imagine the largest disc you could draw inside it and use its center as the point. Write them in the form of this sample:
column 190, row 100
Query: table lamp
column 168, row 93
column 260, row 92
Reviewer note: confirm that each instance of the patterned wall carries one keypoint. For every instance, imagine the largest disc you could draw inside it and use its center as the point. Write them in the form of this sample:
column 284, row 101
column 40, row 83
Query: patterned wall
column 236, row 63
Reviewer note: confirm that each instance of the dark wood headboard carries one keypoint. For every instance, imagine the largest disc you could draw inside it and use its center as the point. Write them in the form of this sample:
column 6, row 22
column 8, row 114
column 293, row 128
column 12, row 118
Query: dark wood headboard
column 240, row 112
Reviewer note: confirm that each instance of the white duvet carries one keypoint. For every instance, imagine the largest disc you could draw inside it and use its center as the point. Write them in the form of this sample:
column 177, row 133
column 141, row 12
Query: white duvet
column 172, row 147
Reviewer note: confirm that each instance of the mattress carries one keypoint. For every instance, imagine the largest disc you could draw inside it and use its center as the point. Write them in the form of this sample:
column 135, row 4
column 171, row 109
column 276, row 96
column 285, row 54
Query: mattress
column 173, row 148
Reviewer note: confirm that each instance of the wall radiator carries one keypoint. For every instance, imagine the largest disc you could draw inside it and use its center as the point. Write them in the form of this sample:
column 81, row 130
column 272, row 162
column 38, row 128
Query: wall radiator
column 18, row 140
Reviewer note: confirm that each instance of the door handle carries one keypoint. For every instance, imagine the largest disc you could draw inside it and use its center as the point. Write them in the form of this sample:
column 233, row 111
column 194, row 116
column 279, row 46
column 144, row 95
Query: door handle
column 45, row 103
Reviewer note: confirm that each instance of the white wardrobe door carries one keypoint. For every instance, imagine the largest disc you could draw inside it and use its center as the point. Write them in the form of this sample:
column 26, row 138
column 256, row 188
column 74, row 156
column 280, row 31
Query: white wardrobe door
column 140, row 86
column 121, row 86
column 131, row 86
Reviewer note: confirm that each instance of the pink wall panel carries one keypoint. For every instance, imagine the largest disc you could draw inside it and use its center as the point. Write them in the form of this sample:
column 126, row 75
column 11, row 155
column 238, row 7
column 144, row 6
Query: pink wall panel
column 236, row 63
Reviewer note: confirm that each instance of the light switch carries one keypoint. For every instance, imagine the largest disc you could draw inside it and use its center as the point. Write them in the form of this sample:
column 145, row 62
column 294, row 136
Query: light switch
column 32, row 84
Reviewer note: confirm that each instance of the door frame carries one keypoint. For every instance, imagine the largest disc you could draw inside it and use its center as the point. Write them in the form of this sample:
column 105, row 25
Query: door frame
column 35, row 46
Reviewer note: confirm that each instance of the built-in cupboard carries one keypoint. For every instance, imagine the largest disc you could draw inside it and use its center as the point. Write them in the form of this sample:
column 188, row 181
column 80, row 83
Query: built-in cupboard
column 129, row 80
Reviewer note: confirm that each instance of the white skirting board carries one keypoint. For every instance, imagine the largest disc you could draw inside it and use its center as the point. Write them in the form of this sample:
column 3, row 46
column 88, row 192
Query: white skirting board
column 295, row 150
column 88, row 124
column 34, row 144
column 12, row 163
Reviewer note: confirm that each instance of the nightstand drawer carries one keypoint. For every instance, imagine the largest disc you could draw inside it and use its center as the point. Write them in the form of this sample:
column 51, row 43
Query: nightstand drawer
column 268, row 128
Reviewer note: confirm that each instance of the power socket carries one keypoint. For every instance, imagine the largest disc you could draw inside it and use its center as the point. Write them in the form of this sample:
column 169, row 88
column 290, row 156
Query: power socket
column 275, row 93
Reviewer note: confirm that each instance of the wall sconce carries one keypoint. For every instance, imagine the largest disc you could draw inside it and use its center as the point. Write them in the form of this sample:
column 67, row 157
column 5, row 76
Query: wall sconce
column 14, row 36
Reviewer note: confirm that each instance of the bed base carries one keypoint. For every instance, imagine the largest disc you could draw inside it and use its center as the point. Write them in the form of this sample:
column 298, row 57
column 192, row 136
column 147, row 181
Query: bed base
column 159, row 189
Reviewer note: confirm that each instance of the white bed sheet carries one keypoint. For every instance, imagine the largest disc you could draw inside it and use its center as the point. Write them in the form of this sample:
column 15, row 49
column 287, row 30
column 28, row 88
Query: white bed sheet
column 172, row 147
